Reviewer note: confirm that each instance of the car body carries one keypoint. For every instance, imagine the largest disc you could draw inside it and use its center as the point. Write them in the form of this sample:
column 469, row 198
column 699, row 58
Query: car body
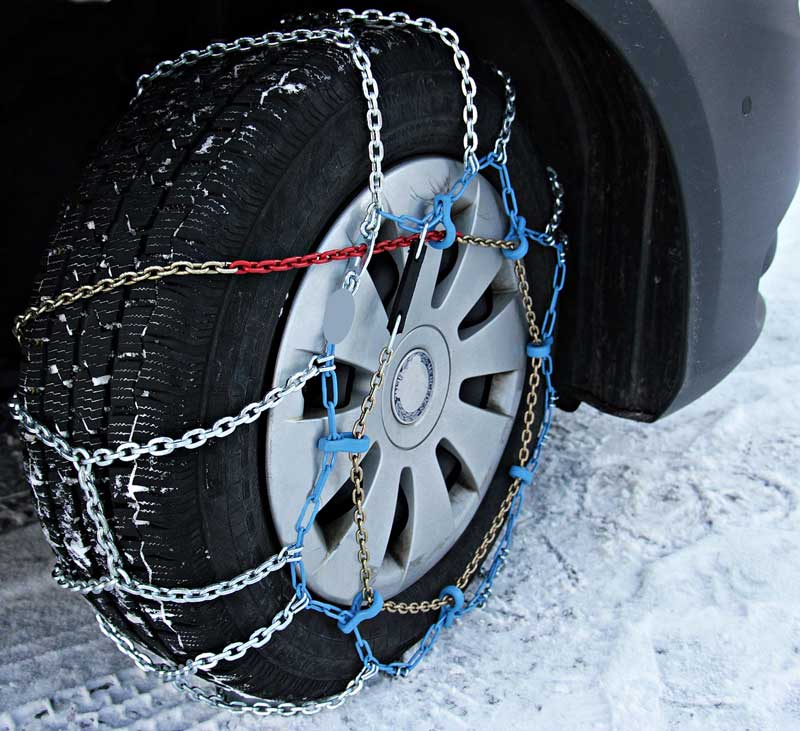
column 674, row 127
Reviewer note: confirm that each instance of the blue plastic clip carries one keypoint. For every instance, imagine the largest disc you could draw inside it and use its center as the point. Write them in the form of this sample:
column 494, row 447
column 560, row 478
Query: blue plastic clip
column 517, row 231
column 348, row 621
column 448, row 615
column 540, row 349
column 523, row 474
column 344, row 442
column 443, row 203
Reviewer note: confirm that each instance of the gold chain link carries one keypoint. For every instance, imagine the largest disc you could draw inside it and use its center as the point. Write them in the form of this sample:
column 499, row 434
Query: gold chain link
column 126, row 279
column 486, row 243
column 524, row 455
column 357, row 474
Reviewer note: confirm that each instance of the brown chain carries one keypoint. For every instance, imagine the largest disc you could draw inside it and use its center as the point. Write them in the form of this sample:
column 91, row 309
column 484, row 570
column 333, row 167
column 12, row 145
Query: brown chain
column 486, row 243
column 357, row 474
column 524, row 455
column 127, row 279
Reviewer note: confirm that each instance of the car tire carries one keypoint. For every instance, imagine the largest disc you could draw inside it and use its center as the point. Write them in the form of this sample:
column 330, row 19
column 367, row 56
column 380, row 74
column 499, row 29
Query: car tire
column 246, row 156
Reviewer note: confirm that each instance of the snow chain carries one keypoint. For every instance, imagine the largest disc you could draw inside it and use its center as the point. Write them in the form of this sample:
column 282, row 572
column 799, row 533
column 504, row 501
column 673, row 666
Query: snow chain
column 451, row 602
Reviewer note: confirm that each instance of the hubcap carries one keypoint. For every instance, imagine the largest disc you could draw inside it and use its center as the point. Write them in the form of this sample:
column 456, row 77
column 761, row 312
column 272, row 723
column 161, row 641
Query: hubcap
column 419, row 376
column 444, row 412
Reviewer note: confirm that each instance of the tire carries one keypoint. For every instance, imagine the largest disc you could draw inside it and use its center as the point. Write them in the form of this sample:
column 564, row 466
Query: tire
column 248, row 156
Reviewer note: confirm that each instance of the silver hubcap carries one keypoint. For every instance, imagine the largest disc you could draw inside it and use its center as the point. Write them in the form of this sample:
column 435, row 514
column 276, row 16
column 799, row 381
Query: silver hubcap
column 445, row 410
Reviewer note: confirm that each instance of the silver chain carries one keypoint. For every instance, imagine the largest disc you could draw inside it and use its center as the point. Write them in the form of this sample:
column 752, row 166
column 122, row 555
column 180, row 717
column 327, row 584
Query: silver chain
column 372, row 218
column 118, row 579
column 205, row 661
column 281, row 708
column 236, row 650
column 180, row 595
column 558, row 204
column 501, row 143
column 83, row 461
column 273, row 39
column 450, row 38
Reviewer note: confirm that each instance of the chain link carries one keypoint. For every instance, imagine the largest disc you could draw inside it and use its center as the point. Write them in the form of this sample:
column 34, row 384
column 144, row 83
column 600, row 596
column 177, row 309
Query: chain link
column 180, row 595
column 126, row 279
column 205, row 661
column 273, row 39
column 280, row 708
column 501, row 144
column 450, row 38
column 486, row 243
column 357, row 474
column 558, row 204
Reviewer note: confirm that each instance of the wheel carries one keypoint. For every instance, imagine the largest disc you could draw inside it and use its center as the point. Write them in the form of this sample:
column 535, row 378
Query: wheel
column 263, row 156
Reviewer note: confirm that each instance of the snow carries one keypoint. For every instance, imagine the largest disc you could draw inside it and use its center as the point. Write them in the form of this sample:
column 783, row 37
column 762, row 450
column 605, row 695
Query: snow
column 283, row 86
column 207, row 145
column 654, row 584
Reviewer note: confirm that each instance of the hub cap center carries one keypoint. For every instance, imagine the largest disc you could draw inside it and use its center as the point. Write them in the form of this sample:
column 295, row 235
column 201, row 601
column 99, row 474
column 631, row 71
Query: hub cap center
column 413, row 386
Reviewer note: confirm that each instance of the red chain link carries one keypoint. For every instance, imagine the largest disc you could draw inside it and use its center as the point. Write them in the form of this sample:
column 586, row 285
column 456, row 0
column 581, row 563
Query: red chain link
column 267, row 266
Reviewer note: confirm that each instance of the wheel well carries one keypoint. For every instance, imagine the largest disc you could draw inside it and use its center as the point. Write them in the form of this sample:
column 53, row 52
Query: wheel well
column 622, row 329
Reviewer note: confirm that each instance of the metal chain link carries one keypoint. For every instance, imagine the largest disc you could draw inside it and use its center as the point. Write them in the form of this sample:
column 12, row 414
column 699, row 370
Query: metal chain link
column 83, row 461
column 126, row 279
column 205, row 661
column 180, row 595
column 280, row 708
column 265, row 266
column 273, row 39
column 501, row 144
column 195, row 438
column 357, row 474
column 450, row 38
column 369, row 87
column 558, row 204
column 487, row 243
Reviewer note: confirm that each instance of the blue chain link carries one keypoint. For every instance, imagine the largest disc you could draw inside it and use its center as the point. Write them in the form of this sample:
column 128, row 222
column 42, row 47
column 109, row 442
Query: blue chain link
column 348, row 620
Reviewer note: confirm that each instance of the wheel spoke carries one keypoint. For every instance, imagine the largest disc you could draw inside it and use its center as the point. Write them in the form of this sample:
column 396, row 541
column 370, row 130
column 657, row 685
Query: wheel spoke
column 487, row 217
column 469, row 208
column 474, row 435
column 430, row 515
column 420, row 310
column 362, row 345
column 494, row 346
column 473, row 272
column 298, row 437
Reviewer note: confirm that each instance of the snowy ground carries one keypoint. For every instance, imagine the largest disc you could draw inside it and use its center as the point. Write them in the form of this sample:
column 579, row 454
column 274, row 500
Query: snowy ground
column 655, row 585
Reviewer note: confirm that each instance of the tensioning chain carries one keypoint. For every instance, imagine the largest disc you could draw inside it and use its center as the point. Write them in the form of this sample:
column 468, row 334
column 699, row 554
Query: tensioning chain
column 154, row 273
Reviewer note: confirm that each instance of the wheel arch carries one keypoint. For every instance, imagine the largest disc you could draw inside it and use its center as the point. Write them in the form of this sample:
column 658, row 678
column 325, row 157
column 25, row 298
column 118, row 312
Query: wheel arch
column 678, row 143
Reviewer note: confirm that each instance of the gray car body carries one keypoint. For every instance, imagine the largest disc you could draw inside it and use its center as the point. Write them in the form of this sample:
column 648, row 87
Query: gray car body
column 724, row 79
